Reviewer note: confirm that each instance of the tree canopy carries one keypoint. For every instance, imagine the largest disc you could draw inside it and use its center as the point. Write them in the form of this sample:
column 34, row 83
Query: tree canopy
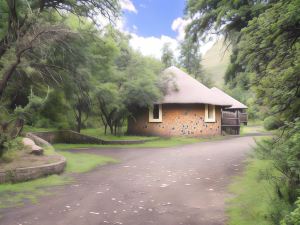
column 60, row 68
column 265, row 61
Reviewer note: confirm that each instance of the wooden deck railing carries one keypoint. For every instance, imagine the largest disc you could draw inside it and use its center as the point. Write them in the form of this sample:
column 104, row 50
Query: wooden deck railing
column 230, row 119
column 233, row 118
column 243, row 118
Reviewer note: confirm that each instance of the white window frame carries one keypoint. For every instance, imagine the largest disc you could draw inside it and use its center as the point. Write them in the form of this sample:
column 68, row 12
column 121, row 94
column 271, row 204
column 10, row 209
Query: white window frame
column 210, row 120
column 153, row 120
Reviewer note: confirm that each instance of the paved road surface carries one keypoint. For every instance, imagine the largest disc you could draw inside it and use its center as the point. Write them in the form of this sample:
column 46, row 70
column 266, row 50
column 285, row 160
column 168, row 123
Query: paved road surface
column 181, row 185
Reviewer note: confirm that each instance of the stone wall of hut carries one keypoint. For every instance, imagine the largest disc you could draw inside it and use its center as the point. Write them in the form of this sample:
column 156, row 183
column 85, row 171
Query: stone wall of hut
column 177, row 120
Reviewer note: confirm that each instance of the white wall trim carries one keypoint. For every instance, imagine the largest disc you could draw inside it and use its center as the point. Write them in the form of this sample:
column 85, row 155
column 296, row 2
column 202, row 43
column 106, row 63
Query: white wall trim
column 210, row 120
column 151, row 119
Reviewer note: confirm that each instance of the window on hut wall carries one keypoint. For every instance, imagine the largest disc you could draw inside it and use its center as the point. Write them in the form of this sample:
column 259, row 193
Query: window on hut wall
column 155, row 113
column 210, row 114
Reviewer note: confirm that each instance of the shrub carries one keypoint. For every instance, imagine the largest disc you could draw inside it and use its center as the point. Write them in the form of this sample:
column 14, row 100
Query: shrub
column 284, row 151
column 294, row 217
column 10, row 150
column 3, row 140
column 272, row 123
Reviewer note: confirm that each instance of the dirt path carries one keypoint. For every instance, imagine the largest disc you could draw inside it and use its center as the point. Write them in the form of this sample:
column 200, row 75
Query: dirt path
column 172, row 186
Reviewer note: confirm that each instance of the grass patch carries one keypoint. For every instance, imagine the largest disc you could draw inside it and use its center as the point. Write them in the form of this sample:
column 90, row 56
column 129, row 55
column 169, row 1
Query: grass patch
column 254, row 197
column 156, row 143
column 99, row 133
column 13, row 150
column 255, row 123
column 37, row 129
column 252, row 129
column 82, row 162
column 12, row 195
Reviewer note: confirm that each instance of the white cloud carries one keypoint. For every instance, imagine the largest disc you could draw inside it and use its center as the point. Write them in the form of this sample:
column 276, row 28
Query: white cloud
column 179, row 25
column 152, row 46
column 128, row 5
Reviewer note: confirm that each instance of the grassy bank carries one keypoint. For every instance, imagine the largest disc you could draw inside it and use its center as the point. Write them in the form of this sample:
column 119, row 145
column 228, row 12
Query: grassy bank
column 246, row 130
column 99, row 133
column 16, row 194
column 95, row 132
column 156, row 143
column 254, row 199
column 82, row 162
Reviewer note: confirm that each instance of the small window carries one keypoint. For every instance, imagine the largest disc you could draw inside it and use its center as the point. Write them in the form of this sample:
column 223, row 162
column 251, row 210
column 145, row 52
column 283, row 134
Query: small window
column 210, row 114
column 155, row 113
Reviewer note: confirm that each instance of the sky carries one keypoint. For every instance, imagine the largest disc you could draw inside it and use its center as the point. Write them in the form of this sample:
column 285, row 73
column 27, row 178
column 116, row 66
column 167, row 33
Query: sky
column 154, row 17
column 152, row 23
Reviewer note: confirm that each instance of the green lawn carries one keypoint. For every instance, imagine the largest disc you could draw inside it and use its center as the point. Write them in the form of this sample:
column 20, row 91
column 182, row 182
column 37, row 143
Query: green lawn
column 255, row 123
column 156, row 143
column 253, row 197
column 99, row 133
column 95, row 132
column 36, row 129
column 14, row 194
column 83, row 162
column 252, row 129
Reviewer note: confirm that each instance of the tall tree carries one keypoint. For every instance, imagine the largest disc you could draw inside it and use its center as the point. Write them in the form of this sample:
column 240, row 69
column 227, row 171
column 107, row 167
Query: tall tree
column 167, row 56
column 190, row 59
column 266, row 38
column 132, row 82
column 226, row 18
column 25, row 33
column 270, row 52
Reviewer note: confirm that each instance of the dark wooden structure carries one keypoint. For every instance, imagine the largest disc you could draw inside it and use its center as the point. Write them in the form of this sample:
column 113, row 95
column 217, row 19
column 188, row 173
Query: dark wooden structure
column 233, row 116
column 231, row 121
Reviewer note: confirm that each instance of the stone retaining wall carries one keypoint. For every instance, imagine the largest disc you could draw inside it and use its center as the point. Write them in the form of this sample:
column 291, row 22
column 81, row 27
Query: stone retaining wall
column 67, row 136
column 125, row 142
column 30, row 173
column 72, row 137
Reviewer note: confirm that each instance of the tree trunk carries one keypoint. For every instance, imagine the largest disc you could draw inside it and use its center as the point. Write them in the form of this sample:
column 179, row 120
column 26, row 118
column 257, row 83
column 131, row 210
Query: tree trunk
column 111, row 127
column 3, row 46
column 79, row 122
column 115, row 130
column 105, row 129
column 7, row 76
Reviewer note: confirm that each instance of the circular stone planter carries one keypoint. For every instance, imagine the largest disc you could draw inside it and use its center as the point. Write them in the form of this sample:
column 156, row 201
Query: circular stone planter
column 29, row 173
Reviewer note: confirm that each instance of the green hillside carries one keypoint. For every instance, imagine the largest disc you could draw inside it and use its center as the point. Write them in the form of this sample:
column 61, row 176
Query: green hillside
column 215, row 62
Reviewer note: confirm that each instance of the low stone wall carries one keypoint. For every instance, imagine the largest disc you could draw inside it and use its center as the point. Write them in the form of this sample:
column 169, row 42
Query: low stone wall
column 44, row 139
column 67, row 136
column 125, row 142
column 72, row 137
column 30, row 173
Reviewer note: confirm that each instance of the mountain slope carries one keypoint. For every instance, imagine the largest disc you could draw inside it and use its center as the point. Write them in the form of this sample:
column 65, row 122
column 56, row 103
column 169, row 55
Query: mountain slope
column 215, row 62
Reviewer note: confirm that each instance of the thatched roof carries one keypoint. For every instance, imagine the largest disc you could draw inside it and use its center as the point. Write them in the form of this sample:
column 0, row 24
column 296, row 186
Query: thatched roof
column 235, row 104
column 182, row 88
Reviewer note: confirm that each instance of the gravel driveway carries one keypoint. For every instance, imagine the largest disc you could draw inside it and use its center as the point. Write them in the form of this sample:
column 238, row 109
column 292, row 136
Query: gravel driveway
column 168, row 186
